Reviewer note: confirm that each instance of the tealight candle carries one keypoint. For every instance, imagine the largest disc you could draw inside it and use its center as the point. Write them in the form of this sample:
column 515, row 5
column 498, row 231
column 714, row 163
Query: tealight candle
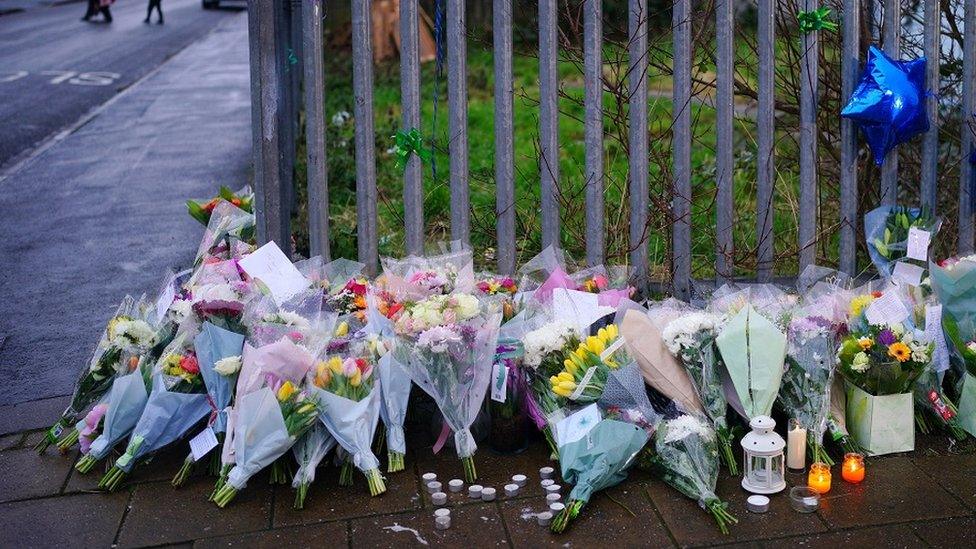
column 474, row 491
column 520, row 480
column 546, row 472
column 443, row 512
column 442, row 523
column 488, row 494
column 544, row 518
column 553, row 498
column 853, row 468
column 511, row 489
column 439, row 498
column 429, row 477
column 553, row 488
column 556, row 507
column 456, row 485
column 819, row 478
column 547, row 482
column 433, row 487
column 796, row 446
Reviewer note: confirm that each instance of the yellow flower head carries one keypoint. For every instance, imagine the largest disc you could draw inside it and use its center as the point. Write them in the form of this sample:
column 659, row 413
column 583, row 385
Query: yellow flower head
column 323, row 374
column 899, row 351
column 342, row 329
column 286, row 390
column 859, row 303
column 865, row 343
column 570, row 366
column 335, row 364
column 356, row 379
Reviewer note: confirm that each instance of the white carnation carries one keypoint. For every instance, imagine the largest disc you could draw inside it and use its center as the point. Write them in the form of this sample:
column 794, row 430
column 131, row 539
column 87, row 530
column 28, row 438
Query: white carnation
column 548, row 339
column 685, row 425
column 681, row 332
column 228, row 366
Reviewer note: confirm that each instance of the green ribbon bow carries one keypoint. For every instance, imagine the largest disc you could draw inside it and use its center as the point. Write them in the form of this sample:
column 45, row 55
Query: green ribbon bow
column 407, row 143
column 815, row 20
column 125, row 458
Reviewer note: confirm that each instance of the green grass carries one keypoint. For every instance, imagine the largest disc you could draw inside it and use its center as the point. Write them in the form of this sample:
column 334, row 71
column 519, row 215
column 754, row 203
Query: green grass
column 386, row 91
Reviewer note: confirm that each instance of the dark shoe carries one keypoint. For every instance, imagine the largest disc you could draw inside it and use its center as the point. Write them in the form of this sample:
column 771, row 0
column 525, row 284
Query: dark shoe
column 146, row 20
column 86, row 18
column 160, row 22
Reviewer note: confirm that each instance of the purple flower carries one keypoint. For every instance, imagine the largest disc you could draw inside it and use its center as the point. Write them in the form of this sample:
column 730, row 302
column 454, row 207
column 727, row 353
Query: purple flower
column 886, row 337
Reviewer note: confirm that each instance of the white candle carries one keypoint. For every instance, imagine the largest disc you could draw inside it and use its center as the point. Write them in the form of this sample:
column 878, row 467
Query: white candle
column 796, row 446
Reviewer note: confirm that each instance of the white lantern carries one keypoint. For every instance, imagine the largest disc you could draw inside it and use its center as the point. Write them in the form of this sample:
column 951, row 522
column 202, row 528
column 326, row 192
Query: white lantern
column 764, row 460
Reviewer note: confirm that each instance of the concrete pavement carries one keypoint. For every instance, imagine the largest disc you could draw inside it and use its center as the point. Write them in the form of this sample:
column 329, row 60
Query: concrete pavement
column 101, row 213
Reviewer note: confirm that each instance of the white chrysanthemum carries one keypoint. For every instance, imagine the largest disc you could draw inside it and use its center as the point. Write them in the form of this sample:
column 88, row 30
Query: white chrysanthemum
column 214, row 292
column 686, row 425
column 132, row 332
column 861, row 362
column 228, row 366
column 288, row 318
column 680, row 333
column 548, row 339
column 467, row 306
column 180, row 309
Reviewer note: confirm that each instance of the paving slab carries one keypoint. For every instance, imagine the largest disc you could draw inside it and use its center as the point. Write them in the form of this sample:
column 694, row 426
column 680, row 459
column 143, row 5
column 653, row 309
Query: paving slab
column 954, row 532
column 894, row 490
column 37, row 414
column 162, row 467
column 954, row 473
column 160, row 514
column 897, row 536
column 329, row 534
column 471, row 526
column 68, row 521
column 29, row 475
column 692, row 526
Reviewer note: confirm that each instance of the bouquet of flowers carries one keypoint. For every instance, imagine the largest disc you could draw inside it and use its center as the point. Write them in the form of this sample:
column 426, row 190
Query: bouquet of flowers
column 230, row 234
column 594, row 458
column 202, row 210
column 222, row 303
column 754, row 351
column 954, row 282
column 585, row 369
column 350, row 398
column 501, row 289
column 446, row 343
column 415, row 277
column 267, row 422
column 546, row 349
column 886, row 232
column 218, row 354
column 128, row 334
column 685, row 455
column 691, row 339
column 883, row 359
column 300, row 319
column 309, row 451
column 179, row 399
column 394, row 396
column 805, row 390
column 610, row 284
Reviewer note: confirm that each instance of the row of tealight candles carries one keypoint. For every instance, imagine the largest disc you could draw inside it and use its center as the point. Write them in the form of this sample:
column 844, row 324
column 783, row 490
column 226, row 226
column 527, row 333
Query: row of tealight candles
column 818, row 479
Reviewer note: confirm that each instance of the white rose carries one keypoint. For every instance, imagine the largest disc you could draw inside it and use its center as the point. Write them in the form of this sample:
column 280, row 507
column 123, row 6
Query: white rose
column 467, row 306
column 228, row 366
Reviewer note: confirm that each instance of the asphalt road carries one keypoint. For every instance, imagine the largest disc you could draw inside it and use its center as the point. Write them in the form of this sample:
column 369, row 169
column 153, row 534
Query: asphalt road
column 54, row 68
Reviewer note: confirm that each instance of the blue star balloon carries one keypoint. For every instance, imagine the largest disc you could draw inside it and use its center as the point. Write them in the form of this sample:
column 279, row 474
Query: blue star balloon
column 889, row 102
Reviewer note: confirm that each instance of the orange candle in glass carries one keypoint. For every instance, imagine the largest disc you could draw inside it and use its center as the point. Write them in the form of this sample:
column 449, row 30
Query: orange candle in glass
column 819, row 478
column 853, row 469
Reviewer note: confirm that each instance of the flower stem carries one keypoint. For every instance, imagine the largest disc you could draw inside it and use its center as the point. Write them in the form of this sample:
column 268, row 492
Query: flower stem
column 221, row 481
column 68, row 441
column 394, row 462
column 49, row 437
column 375, row 481
column 300, row 494
column 470, row 472
column 86, row 463
column 224, row 495
column 184, row 473
column 112, row 479
column 380, row 441
column 554, row 450
column 722, row 517
column 345, row 475
column 567, row 515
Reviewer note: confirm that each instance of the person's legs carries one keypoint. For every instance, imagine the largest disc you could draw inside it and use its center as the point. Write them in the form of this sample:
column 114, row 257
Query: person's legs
column 106, row 13
column 159, row 10
column 148, row 11
column 92, row 9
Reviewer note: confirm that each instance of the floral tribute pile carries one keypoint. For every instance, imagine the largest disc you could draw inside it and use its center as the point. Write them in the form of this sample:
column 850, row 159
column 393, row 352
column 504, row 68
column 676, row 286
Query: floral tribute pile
column 251, row 361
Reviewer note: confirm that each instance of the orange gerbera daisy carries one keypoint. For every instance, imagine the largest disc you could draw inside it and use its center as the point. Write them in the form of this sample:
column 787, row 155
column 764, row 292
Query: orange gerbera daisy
column 899, row 351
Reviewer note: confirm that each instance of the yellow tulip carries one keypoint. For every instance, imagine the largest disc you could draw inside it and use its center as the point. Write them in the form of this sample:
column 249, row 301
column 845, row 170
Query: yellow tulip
column 335, row 364
column 565, row 376
column 356, row 379
column 342, row 329
column 561, row 392
column 286, row 390
column 554, row 379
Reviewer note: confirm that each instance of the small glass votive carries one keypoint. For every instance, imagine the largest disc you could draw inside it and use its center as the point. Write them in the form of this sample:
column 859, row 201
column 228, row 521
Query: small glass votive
column 456, row 485
column 818, row 479
column 853, row 468
column 438, row 498
column 804, row 500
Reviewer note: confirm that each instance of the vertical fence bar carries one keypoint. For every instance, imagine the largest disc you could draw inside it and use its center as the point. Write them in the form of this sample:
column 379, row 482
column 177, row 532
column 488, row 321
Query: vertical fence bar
column 272, row 224
column 638, row 140
column 724, row 205
column 549, row 121
column 809, row 204
column 504, row 135
column 765, row 140
column 317, row 172
column 457, row 105
column 288, row 113
column 413, row 183
column 892, row 46
column 681, row 150
column 362, row 81
column 848, row 139
column 593, row 130
column 930, row 143
column 968, row 106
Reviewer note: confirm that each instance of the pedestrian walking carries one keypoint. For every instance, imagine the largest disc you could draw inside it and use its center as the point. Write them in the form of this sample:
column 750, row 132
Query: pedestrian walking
column 96, row 6
column 158, row 4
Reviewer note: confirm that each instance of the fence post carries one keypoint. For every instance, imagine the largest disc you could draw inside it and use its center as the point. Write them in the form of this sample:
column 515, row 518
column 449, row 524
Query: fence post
column 317, row 172
column 362, row 74
column 724, row 111
column 287, row 120
column 638, row 141
column 850, row 67
column 765, row 130
column 549, row 121
column 272, row 224
column 892, row 46
column 504, row 135
column 809, row 202
column 593, row 129
column 967, row 172
column 413, row 183
column 681, row 150
column 930, row 143
column 457, row 105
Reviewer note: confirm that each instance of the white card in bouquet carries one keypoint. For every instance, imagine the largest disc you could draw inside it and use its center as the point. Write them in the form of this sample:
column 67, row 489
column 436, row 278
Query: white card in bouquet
column 918, row 244
column 166, row 298
column 582, row 308
column 271, row 266
column 887, row 309
column 201, row 444
column 577, row 425
column 499, row 382
column 907, row 273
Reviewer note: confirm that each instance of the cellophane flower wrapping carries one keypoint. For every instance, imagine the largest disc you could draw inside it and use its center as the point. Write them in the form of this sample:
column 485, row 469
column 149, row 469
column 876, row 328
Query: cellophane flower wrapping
column 447, row 344
column 229, row 234
column 886, row 233
column 691, row 339
column 349, row 391
column 125, row 402
column 596, row 460
column 309, row 452
column 301, row 319
column 955, row 284
column 685, row 455
column 807, row 380
column 219, row 295
column 131, row 332
column 625, row 399
column 415, row 277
